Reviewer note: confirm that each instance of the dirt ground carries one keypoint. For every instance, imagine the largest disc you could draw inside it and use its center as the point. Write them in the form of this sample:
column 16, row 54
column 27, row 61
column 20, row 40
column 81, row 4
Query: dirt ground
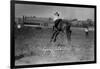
column 33, row 46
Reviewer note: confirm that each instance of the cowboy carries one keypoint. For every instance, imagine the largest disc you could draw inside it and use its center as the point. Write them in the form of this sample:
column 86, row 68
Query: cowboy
column 86, row 30
column 56, row 16
column 56, row 20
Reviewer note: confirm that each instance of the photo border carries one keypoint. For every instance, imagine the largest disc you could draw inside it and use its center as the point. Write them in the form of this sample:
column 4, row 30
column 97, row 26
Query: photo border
column 12, row 18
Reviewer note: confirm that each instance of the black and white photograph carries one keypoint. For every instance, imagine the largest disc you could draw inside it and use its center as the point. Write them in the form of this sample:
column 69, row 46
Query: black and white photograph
column 49, row 34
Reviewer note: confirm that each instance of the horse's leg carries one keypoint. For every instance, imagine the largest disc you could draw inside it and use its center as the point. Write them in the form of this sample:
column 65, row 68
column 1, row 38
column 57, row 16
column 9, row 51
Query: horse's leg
column 53, row 36
column 56, row 35
column 69, row 37
column 53, row 28
column 68, row 34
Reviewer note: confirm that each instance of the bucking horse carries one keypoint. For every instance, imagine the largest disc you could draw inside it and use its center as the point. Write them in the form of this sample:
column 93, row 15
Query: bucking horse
column 63, row 26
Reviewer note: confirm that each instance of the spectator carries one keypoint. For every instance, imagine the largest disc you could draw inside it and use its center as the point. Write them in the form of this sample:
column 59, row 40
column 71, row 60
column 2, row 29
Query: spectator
column 86, row 30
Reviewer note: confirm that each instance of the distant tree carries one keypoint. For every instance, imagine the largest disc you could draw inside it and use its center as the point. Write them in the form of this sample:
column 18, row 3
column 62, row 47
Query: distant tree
column 74, row 20
column 84, row 24
column 34, row 16
column 50, row 18
column 90, row 22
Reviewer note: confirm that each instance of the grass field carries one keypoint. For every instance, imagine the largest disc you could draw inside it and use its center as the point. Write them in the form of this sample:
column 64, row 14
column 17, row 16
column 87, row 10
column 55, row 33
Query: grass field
column 33, row 46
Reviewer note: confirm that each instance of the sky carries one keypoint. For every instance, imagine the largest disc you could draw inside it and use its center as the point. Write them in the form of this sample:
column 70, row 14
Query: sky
column 48, row 11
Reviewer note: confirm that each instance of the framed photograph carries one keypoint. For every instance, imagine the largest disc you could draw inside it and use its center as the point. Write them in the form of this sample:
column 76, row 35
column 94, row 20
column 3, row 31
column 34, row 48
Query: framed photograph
column 52, row 34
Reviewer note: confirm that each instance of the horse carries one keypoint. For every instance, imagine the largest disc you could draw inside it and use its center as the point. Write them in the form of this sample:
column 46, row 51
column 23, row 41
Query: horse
column 61, row 26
